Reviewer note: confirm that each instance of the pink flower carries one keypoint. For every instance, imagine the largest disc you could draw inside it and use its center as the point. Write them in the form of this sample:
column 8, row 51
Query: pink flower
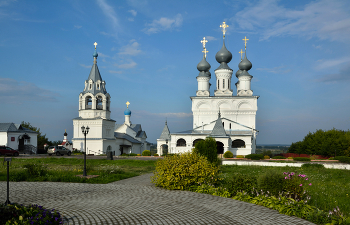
column 285, row 177
column 310, row 184
column 301, row 185
column 306, row 178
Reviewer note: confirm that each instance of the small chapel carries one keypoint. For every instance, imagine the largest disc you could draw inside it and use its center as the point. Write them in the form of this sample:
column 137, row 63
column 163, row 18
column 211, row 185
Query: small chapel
column 228, row 117
column 104, row 135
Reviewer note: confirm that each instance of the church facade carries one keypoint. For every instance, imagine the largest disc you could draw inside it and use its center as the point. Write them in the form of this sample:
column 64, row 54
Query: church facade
column 94, row 112
column 230, row 119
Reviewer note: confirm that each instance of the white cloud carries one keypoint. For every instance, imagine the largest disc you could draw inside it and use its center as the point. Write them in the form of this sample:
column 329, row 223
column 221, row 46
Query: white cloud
column 342, row 76
column 210, row 38
column 277, row 70
column 109, row 13
column 131, row 49
column 129, row 65
column 324, row 64
column 131, row 19
column 323, row 19
column 77, row 27
column 85, row 66
column 17, row 92
column 163, row 24
column 133, row 12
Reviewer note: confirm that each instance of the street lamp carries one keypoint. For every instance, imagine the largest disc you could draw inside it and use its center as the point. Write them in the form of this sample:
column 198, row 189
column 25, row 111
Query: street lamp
column 85, row 132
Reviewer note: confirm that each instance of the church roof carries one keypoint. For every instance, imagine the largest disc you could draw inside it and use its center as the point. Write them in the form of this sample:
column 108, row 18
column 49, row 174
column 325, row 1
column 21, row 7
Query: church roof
column 165, row 133
column 95, row 118
column 126, row 137
column 218, row 129
column 11, row 127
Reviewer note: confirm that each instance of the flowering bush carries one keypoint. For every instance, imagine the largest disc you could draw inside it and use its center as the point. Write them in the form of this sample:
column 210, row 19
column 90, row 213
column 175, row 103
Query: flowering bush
column 184, row 170
column 294, row 185
column 266, row 157
column 32, row 214
column 212, row 190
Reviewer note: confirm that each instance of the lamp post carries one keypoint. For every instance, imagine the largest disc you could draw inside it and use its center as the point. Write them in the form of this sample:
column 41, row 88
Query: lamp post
column 85, row 132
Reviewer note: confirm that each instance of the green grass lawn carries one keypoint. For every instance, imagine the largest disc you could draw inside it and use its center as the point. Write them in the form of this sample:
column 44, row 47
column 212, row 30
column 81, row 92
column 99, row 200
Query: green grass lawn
column 65, row 170
column 330, row 187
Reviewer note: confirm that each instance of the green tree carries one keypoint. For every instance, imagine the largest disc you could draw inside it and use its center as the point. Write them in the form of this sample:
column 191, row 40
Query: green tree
column 208, row 149
column 42, row 139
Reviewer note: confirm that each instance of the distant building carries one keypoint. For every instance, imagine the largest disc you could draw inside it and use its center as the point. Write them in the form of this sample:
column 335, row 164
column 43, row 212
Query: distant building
column 65, row 143
column 104, row 134
column 230, row 120
column 17, row 137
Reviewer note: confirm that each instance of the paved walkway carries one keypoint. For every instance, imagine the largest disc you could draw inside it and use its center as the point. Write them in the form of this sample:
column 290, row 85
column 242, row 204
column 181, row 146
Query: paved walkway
column 137, row 201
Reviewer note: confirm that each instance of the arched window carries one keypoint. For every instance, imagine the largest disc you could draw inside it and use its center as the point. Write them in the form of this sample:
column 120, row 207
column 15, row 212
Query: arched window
column 218, row 84
column 223, row 124
column 238, row 143
column 109, row 148
column 223, row 83
column 196, row 141
column 99, row 102
column 98, row 86
column 107, row 103
column 230, row 126
column 90, row 86
column 181, row 143
column 88, row 104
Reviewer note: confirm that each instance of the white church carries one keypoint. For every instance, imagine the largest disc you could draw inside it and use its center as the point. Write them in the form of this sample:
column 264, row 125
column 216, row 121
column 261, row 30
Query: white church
column 104, row 134
column 229, row 119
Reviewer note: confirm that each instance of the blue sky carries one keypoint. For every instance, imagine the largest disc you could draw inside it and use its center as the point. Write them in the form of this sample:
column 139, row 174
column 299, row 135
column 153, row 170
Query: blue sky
column 149, row 51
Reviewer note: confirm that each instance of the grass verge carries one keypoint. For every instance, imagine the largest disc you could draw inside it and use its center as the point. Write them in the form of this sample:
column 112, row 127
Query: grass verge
column 65, row 170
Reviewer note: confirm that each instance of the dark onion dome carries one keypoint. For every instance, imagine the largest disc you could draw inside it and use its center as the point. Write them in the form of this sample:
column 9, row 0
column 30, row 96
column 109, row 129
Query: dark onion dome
column 245, row 64
column 203, row 65
column 238, row 72
column 65, row 133
column 208, row 74
column 223, row 55
column 95, row 54
column 204, row 74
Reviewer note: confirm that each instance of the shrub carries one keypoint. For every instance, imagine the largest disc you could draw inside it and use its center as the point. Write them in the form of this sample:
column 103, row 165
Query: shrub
column 290, row 157
column 238, row 182
column 138, row 154
column 228, row 154
column 343, row 159
column 301, row 159
column 207, row 148
column 271, row 182
column 124, row 154
column 331, row 158
column 279, row 157
column 35, row 170
column 312, row 166
column 146, row 153
column 254, row 156
column 294, row 185
column 133, row 154
column 155, row 154
column 240, row 156
column 266, row 157
column 183, row 171
column 32, row 214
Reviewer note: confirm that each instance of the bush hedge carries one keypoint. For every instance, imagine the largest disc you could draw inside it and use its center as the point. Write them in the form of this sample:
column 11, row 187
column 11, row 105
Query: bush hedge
column 279, row 157
column 266, row 157
column 146, row 153
column 301, row 159
column 240, row 156
column 254, row 156
column 207, row 148
column 184, row 170
column 155, row 154
column 228, row 154
column 343, row 159
column 271, row 181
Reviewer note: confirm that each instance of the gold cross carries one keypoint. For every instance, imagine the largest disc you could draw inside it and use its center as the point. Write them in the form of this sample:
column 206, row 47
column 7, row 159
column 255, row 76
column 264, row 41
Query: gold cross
column 95, row 44
column 205, row 52
column 241, row 53
column 224, row 26
column 245, row 41
column 204, row 42
column 127, row 104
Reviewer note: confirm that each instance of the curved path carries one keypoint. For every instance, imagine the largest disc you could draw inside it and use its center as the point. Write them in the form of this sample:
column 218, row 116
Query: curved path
column 137, row 201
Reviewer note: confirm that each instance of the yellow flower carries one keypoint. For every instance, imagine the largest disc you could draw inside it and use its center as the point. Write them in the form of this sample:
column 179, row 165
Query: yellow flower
column 20, row 218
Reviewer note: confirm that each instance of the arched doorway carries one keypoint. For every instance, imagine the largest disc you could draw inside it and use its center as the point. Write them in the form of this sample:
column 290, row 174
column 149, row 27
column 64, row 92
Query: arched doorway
column 164, row 149
column 219, row 147
column 181, row 143
column 238, row 143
